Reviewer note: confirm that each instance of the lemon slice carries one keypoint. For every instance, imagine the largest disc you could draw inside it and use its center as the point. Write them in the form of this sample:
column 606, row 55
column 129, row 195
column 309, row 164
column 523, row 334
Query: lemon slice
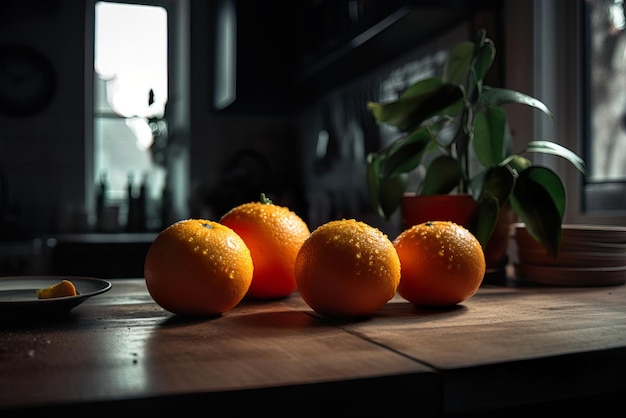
column 63, row 288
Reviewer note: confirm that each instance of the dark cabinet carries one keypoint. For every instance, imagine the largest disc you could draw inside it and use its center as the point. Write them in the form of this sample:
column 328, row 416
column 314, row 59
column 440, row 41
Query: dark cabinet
column 289, row 53
column 254, row 55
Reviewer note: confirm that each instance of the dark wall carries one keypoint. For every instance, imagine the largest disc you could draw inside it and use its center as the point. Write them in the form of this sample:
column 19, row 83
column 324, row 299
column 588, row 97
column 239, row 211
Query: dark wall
column 250, row 147
column 258, row 145
column 42, row 154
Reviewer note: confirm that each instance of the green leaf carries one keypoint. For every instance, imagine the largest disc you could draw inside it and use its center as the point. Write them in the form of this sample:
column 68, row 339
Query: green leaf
column 498, row 96
column 373, row 180
column 489, row 135
column 385, row 193
column 406, row 154
column 426, row 85
column 390, row 194
column 551, row 182
column 407, row 113
column 458, row 63
column 477, row 184
column 498, row 182
column 548, row 147
column 539, row 201
column 484, row 59
column 443, row 175
column 486, row 218
column 517, row 162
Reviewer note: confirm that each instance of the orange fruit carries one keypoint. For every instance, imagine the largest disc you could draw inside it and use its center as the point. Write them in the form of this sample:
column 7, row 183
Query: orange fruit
column 442, row 263
column 58, row 290
column 197, row 267
column 347, row 268
column 274, row 234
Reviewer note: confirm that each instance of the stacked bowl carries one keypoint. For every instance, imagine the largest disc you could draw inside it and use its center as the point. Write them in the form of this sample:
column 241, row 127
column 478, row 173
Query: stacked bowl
column 589, row 255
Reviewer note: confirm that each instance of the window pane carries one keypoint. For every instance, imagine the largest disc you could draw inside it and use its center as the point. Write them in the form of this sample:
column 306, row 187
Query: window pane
column 119, row 156
column 606, row 71
column 131, row 56
column 130, row 95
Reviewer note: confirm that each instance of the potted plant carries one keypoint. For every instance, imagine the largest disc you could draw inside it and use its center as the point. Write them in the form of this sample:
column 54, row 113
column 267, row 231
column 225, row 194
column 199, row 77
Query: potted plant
column 461, row 125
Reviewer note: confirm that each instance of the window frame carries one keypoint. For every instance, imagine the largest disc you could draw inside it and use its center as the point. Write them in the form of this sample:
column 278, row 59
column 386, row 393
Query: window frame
column 177, row 110
column 557, row 76
column 612, row 190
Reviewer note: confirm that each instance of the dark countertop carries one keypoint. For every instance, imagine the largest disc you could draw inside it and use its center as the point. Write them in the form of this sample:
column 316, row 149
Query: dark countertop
column 507, row 350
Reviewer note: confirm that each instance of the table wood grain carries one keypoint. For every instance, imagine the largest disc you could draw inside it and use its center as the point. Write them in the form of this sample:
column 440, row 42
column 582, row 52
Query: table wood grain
column 505, row 349
column 122, row 347
column 506, row 345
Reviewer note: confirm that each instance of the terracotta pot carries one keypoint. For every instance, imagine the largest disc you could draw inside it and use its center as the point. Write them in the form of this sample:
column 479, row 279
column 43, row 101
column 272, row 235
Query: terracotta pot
column 458, row 208
column 461, row 209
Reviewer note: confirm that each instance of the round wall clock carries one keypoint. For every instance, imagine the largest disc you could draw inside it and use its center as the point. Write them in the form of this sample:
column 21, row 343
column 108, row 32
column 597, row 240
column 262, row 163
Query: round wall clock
column 27, row 80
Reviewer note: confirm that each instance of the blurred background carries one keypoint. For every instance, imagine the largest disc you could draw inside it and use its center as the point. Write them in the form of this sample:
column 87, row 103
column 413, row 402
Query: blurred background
column 119, row 118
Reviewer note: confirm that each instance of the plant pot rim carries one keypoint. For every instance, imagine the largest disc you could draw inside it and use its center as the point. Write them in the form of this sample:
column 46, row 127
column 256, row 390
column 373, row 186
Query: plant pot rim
column 454, row 196
column 458, row 208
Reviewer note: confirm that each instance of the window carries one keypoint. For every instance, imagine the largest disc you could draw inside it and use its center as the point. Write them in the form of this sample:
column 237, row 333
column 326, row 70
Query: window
column 225, row 85
column 565, row 75
column 130, row 98
column 604, row 29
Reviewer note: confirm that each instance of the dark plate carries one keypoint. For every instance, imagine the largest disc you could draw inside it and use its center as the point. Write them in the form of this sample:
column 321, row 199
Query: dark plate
column 18, row 295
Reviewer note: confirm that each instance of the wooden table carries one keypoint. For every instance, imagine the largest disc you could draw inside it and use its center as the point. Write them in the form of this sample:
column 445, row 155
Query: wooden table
column 506, row 350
